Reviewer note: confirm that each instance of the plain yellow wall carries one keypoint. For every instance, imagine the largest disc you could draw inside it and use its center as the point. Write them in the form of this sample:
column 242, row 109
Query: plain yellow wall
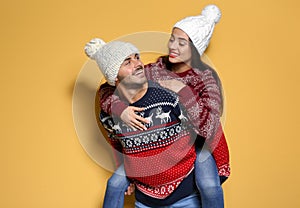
column 255, row 48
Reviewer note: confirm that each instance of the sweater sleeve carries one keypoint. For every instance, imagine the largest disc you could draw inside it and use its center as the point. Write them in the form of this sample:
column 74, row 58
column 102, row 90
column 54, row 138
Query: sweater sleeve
column 202, row 105
column 107, row 122
column 109, row 102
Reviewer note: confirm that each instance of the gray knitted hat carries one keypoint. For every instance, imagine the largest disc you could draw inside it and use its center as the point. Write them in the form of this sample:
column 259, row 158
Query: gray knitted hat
column 200, row 28
column 109, row 56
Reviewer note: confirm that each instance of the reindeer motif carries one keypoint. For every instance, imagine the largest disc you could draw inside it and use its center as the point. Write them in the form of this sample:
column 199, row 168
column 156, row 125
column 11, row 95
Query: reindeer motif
column 107, row 123
column 128, row 128
column 117, row 128
column 182, row 117
column 149, row 118
column 164, row 117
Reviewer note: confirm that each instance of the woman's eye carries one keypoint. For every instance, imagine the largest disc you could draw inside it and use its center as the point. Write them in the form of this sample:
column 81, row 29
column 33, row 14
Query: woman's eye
column 171, row 39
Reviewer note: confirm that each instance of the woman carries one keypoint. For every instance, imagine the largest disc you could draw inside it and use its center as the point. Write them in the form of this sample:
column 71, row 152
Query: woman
column 187, row 43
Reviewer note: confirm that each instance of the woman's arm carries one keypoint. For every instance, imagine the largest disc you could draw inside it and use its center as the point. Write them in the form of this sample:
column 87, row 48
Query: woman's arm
column 202, row 106
column 111, row 104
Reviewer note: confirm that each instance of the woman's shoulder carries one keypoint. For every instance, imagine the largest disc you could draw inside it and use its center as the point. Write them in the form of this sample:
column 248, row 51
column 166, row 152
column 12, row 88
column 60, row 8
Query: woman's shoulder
column 205, row 72
column 201, row 72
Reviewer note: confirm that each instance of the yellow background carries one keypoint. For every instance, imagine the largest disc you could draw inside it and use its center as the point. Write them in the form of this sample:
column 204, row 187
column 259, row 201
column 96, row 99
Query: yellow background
column 255, row 48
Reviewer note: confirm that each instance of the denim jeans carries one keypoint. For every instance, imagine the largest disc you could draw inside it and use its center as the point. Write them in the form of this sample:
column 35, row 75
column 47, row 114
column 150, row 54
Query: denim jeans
column 116, row 186
column 207, row 179
column 191, row 201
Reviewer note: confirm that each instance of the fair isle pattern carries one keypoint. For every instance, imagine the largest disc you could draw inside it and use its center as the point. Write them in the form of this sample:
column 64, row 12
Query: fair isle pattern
column 218, row 146
column 152, row 138
column 163, row 104
column 162, row 191
column 204, row 84
column 224, row 170
column 159, row 192
column 162, row 154
column 203, row 113
column 107, row 97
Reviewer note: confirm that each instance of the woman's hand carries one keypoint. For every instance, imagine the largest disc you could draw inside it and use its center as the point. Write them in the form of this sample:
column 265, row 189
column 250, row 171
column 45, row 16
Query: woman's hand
column 172, row 84
column 130, row 189
column 132, row 119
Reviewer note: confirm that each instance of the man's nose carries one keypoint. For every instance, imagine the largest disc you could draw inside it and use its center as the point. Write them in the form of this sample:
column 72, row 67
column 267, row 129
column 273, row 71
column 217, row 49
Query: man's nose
column 136, row 62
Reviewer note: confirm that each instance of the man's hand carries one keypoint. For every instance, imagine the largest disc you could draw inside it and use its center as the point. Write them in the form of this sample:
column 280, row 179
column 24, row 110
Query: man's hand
column 132, row 119
column 130, row 189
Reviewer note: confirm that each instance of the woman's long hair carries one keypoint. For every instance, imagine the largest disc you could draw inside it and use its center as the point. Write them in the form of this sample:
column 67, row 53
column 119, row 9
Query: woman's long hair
column 197, row 63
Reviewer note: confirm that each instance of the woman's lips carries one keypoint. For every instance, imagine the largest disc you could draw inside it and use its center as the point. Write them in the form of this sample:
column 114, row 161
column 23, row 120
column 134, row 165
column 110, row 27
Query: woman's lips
column 173, row 55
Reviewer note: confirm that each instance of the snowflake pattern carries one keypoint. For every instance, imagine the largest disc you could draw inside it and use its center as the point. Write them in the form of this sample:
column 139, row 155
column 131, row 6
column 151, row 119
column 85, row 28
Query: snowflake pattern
column 160, row 137
column 159, row 192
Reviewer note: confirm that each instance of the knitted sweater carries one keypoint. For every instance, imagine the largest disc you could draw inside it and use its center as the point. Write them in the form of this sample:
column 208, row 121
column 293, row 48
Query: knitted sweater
column 159, row 158
column 205, row 115
column 204, row 84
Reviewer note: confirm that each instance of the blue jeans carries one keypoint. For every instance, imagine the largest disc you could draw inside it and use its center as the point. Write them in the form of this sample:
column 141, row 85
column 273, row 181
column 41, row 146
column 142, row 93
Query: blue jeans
column 116, row 186
column 207, row 179
column 191, row 201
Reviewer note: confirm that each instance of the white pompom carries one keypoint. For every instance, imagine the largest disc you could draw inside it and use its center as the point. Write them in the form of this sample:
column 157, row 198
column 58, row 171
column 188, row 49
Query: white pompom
column 93, row 46
column 212, row 13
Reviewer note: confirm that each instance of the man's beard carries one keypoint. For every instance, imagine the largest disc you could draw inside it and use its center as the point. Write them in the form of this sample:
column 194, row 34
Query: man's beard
column 133, row 85
column 134, row 82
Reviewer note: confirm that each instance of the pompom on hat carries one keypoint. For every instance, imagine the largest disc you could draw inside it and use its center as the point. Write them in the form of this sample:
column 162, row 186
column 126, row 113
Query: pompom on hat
column 109, row 56
column 200, row 28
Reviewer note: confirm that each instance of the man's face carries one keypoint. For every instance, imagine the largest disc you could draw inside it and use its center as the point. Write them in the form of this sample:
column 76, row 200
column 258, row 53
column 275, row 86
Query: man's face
column 131, row 72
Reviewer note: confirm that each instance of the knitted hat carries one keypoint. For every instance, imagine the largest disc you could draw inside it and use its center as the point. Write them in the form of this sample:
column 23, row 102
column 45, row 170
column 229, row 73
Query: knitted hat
column 200, row 28
column 109, row 56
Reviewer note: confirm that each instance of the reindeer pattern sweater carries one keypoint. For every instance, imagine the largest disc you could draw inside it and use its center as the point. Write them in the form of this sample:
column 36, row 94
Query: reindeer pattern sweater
column 161, row 157
column 205, row 116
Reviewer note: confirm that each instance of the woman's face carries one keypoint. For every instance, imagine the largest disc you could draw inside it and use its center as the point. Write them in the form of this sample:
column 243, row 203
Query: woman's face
column 179, row 47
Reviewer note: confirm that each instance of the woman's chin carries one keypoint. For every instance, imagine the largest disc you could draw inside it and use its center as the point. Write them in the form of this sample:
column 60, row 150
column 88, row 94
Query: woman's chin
column 174, row 60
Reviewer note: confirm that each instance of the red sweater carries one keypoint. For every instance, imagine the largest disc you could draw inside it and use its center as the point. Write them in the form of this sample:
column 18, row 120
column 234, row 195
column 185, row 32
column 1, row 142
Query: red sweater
column 161, row 157
column 205, row 116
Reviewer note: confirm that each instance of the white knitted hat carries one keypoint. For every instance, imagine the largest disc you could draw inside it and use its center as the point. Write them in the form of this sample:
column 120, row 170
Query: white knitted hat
column 200, row 28
column 109, row 56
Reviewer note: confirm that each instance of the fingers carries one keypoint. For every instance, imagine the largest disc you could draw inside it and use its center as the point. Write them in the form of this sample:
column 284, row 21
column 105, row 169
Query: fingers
column 130, row 189
column 137, row 108
column 133, row 120
column 136, row 123
column 139, row 118
column 140, row 122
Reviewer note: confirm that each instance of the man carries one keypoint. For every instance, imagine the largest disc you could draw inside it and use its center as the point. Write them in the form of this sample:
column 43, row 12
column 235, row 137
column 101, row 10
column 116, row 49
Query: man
column 159, row 160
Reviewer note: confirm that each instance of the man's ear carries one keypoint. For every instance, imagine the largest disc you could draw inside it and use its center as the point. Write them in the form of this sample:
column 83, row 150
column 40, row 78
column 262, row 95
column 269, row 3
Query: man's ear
column 117, row 81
